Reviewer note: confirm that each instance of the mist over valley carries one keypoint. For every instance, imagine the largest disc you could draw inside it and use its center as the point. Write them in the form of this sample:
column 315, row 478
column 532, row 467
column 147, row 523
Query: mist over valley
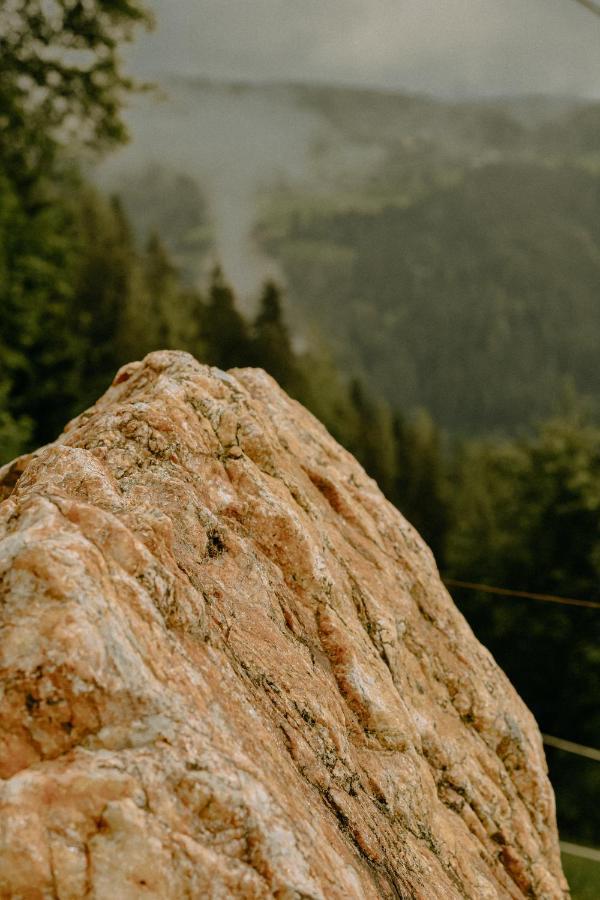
column 445, row 251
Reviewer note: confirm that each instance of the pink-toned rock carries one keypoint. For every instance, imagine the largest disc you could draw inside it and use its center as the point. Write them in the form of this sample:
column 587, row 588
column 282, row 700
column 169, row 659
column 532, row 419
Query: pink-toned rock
column 229, row 669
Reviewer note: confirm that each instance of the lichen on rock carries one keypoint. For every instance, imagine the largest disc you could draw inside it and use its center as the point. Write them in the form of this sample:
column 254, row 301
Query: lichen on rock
column 229, row 669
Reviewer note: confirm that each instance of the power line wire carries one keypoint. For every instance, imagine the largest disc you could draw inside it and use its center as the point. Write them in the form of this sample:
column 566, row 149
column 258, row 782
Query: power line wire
column 528, row 595
column 571, row 747
column 549, row 739
column 578, row 850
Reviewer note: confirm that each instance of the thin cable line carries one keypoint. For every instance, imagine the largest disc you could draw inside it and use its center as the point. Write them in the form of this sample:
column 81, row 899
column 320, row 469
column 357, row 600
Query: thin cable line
column 578, row 850
column 528, row 595
column 571, row 747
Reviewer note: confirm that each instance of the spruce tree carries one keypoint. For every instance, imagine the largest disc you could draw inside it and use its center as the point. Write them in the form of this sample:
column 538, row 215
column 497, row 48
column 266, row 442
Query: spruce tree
column 108, row 314
column 61, row 85
column 420, row 490
column 224, row 329
column 39, row 348
column 161, row 281
column 373, row 441
column 272, row 346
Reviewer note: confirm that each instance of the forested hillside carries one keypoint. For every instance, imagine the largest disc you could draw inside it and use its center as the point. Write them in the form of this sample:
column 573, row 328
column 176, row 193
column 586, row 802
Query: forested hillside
column 448, row 252
column 478, row 301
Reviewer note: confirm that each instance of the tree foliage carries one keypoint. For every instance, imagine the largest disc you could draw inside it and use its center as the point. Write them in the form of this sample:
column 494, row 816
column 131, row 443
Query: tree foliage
column 61, row 81
column 61, row 78
column 526, row 515
column 476, row 299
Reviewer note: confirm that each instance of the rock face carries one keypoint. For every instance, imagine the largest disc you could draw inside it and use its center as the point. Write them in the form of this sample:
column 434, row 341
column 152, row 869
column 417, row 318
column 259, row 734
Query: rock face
column 229, row 669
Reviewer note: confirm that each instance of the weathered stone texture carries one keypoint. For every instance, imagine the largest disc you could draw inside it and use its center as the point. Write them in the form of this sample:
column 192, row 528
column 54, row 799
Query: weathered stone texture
column 229, row 669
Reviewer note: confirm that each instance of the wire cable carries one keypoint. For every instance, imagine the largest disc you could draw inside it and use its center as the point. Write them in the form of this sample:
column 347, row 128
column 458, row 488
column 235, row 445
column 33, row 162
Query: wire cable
column 571, row 747
column 578, row 850
column 528, row 595
column 550, row 740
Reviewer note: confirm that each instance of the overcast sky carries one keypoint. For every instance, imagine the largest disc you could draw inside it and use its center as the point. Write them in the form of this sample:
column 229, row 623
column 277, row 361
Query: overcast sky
column 474, row 47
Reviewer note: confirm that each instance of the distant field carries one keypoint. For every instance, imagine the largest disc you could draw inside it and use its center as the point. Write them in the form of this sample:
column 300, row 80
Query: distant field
column 583, row 876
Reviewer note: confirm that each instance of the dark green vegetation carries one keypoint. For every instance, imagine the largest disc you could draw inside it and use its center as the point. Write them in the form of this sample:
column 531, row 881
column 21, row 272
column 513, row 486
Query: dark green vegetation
column 465, row 286
column 471, row 286
column 478, row 301
column 583, row 877
column 526, row 514
column 61, row 79
column 61, row 83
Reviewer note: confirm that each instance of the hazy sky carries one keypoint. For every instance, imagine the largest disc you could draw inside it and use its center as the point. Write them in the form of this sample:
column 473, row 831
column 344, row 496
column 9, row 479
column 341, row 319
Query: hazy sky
column 475, row 47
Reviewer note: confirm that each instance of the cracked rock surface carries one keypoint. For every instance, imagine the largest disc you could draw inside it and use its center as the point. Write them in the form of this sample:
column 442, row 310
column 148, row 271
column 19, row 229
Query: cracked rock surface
column 228, row 668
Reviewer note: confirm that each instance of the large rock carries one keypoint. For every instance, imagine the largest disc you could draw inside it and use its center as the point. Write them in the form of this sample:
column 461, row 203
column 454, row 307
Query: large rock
column 230, row 669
